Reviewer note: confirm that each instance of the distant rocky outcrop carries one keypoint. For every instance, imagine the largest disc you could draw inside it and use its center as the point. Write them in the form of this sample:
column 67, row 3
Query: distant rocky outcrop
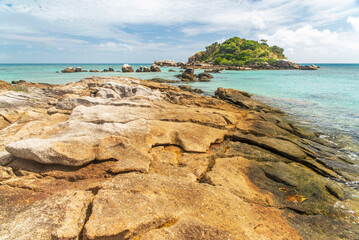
column 155, row 68
column 78, row 69
column 127, row 68
column 165, row 63
column 68, row 70
column 146, row 69
column 139, row 69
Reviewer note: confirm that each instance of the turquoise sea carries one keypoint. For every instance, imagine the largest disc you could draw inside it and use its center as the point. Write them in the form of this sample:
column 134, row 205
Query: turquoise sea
column 326, row 99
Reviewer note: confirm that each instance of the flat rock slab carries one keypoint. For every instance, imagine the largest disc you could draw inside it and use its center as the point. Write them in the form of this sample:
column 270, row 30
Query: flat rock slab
column 133, row 205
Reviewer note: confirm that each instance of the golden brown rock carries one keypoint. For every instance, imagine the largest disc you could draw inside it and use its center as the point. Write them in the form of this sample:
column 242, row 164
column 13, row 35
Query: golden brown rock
column 160, row 163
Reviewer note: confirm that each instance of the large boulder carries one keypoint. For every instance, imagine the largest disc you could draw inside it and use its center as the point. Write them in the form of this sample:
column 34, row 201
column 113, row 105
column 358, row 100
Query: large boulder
column 155, row 68
column 68, row 70
column 188, row 75
column 139, row 69
column 205, row 74
column 127, row 68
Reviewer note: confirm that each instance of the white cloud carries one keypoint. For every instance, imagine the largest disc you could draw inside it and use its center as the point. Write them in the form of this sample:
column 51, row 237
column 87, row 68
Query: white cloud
column 307, row 44
column 213, row 15
column 354, row 21
column 106, row 24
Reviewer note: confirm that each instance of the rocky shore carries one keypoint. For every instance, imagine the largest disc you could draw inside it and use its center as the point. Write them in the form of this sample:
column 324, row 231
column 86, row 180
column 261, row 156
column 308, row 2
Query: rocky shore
column 122, row 158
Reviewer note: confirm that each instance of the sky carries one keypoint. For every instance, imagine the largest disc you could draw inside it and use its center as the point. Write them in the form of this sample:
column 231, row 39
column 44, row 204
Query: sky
column 141, row 31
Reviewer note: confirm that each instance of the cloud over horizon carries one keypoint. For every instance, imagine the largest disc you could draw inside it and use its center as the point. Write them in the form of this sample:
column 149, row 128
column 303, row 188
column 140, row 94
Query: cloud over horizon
column 145, row 30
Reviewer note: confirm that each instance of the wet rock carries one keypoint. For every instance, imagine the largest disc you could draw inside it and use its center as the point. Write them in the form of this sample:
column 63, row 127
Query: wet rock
column 335, row 189
column 204, row 79
column 205, row 74
column 189, row 89
column 284, row 148
column 188, row 75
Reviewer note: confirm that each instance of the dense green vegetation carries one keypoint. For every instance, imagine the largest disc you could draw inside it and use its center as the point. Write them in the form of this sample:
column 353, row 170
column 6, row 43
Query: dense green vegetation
column 239, row 52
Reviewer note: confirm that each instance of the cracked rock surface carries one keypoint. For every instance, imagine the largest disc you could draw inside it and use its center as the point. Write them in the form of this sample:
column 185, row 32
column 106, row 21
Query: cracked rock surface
column 122, row 158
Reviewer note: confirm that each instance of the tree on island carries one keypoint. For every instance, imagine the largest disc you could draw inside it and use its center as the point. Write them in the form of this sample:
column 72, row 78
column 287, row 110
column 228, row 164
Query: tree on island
column 239, row 52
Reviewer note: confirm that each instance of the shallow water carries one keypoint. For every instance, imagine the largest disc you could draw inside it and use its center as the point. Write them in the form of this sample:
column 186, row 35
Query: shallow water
column 326, row 99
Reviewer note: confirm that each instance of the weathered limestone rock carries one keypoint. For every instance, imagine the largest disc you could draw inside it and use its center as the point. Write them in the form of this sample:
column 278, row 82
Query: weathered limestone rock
column 127, row 68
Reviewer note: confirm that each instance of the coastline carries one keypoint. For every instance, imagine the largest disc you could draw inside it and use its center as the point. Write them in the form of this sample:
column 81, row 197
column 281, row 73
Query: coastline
column 230, row 145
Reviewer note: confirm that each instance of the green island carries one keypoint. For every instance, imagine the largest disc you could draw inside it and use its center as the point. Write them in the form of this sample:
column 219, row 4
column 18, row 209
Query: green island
column 239, row 52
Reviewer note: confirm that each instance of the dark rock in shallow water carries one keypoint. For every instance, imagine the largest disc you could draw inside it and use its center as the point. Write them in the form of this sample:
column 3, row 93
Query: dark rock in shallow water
column 205, row 74
column 189, row 89
column 18, row 82
column 161, row 80
column 139, row 69
column 204, row 79
column 68, row 70
column 188, row 75
column 146, row 69
column 155, row 68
